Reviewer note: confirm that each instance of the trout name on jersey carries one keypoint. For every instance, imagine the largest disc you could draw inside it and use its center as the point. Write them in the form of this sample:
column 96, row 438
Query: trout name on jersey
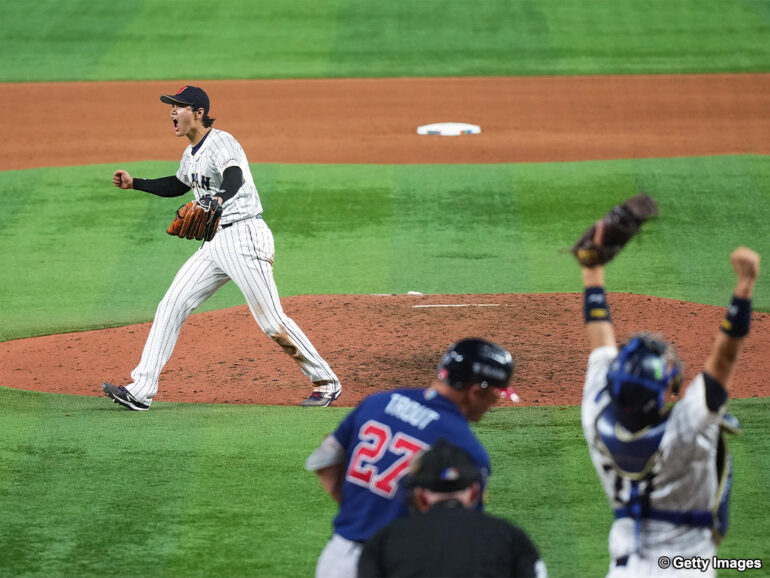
column 410, row 411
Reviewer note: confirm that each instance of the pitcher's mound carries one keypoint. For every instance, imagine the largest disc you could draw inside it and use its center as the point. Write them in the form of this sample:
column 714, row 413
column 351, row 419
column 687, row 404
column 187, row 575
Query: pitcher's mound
column 374, row 343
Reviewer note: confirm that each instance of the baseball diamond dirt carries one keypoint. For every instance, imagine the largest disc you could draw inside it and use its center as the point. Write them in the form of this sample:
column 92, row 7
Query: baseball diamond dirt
column 530, row 119
column 380, row 342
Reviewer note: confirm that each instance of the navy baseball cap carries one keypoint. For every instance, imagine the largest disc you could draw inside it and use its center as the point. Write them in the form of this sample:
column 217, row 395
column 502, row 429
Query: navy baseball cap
column 444, row 468
column 189, row 95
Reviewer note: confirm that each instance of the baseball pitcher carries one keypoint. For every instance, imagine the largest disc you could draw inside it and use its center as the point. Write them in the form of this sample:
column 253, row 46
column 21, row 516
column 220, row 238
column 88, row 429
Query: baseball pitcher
column 226, row 215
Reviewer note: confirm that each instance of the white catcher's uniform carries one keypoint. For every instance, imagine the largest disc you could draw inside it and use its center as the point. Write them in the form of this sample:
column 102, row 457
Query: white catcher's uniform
column 241, row 250
column 685, row 477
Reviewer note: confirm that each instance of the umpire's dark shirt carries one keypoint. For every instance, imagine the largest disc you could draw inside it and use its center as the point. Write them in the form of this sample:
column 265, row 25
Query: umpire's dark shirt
column 448, row 541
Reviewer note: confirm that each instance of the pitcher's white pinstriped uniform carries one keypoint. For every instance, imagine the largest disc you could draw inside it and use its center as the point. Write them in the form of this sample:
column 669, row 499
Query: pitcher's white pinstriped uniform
column 241, row 250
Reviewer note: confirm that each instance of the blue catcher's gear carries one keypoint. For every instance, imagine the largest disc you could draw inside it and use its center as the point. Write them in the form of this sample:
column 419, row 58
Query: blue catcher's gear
column 633, row 457
column 638, row 379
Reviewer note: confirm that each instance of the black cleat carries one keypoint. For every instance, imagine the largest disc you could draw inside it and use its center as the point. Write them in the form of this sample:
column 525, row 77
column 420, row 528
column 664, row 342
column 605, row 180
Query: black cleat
column 321, row 398
column 120, row 395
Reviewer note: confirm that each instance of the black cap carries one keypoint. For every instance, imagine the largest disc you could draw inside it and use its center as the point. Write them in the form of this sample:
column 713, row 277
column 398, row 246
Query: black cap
column 443, row 468
column 188, row 95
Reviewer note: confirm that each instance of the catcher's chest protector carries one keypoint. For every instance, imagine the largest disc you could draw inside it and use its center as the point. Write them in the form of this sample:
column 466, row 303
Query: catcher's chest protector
column 633, row 456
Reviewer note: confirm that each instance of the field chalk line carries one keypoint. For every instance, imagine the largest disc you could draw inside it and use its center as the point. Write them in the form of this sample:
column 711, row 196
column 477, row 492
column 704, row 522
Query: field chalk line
column 457, row 305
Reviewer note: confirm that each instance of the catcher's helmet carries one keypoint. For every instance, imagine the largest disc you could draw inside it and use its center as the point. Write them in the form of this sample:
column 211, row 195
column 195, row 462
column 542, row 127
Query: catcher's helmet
column 638, row 379
column 479, row 361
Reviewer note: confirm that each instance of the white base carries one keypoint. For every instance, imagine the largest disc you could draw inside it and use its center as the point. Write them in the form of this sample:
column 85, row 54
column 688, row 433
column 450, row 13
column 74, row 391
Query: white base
column 448, row 129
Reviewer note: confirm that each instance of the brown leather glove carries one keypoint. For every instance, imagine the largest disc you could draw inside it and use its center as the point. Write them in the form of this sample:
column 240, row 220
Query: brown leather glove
column 197, row 219
column 600, row 243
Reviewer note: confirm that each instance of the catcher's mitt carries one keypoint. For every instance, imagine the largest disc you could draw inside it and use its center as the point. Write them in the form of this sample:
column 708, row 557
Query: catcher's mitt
column 197, row 219
column 599, row 244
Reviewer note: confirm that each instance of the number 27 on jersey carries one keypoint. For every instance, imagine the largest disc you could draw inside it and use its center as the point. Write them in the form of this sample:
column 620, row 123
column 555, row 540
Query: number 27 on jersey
column 376, row 445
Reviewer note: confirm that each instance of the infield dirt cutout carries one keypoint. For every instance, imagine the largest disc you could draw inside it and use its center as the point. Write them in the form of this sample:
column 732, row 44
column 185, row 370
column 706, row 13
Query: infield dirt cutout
column 381, row 342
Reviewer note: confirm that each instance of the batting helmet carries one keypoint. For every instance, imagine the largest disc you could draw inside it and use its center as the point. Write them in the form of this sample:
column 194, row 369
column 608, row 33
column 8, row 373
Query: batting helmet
column 479, row 361
column 638, row 379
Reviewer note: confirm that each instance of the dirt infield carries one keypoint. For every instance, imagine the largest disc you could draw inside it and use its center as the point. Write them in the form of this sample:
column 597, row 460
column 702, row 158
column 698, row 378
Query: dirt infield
column 374, row 343
column 531, row 119
column 381, row 342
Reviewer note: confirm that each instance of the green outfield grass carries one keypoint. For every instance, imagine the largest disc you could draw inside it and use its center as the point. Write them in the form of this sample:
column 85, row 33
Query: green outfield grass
column 89, row 255
column 51, row 40
column 88, row 489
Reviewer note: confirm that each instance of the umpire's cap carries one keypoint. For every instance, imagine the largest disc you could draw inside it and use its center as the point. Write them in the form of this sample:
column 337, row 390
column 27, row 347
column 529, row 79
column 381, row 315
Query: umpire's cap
column 443, row 468
column 188, row 96
column 472, row 360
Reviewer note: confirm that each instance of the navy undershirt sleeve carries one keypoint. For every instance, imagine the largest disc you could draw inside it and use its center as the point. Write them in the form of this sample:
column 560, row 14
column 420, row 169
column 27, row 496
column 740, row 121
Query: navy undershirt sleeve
column 162, row 187
column 716, row 394
column 232, row 179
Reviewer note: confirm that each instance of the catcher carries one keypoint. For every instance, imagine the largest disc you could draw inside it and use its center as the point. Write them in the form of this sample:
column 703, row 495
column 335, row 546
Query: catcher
column 665, row 469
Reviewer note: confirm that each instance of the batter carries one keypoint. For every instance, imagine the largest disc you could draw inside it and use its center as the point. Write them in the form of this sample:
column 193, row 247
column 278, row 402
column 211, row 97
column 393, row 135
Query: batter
column 361, row 465
column 242, row 250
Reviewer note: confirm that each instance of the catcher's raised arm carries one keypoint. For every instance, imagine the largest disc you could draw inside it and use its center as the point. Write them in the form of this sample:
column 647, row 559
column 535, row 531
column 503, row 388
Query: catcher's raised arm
column 598, row 246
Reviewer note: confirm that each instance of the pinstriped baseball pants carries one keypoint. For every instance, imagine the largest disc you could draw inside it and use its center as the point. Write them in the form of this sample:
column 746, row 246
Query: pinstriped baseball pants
column 244, row 253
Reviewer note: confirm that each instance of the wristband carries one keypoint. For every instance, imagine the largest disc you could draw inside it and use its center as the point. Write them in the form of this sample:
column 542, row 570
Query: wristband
column 595, row 306
column 738, row 319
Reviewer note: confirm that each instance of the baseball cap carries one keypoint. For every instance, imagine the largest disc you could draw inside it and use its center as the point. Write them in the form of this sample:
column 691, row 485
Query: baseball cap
column 443, row 468
column 188, row 95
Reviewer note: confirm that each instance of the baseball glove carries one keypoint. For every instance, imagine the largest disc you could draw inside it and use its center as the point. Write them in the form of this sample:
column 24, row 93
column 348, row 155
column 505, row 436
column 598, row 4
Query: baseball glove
column 197, row 219
column 599, row 244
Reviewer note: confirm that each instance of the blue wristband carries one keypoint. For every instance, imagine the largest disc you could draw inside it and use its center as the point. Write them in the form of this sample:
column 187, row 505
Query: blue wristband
column 738, row 319
column 595, row 307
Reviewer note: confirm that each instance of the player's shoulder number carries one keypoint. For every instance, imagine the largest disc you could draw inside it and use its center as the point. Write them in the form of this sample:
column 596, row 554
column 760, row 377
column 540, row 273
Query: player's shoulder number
column 377, row 440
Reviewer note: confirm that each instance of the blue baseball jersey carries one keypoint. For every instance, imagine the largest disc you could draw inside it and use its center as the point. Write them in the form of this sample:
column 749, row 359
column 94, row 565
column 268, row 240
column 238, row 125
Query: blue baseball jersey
column 381, row 437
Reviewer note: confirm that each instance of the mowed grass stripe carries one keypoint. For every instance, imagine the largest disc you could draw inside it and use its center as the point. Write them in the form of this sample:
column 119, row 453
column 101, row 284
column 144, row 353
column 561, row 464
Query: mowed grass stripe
column 205, row 490
column 83, row 40
column 99, row 256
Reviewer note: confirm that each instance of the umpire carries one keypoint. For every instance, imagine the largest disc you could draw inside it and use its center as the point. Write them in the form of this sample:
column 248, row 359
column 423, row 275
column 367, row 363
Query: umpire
column 446, row 536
